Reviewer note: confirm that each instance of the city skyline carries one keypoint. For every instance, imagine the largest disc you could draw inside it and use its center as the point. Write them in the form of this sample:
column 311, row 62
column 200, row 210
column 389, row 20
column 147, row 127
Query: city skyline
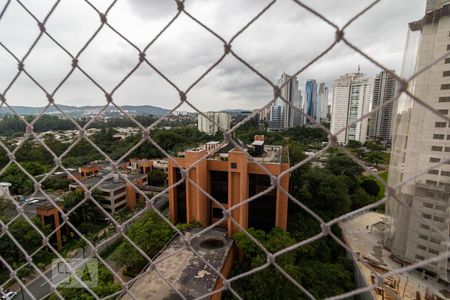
column 231, row 85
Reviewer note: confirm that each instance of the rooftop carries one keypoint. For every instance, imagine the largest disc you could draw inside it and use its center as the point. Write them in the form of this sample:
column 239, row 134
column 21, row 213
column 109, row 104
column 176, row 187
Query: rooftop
column 190, row 275
column 272, row 153
column 364, row 235
column 108, row 184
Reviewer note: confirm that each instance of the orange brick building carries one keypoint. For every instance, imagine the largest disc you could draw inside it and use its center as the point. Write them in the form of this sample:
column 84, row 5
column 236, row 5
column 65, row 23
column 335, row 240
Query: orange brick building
column 50, row 215
column 230, row 177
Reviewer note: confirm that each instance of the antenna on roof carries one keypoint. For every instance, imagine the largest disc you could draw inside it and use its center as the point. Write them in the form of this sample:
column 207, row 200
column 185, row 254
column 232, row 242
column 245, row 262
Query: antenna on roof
column 359, row 68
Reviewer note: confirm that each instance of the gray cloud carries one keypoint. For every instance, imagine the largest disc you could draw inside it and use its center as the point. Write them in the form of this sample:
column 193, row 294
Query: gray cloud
column 283, row 40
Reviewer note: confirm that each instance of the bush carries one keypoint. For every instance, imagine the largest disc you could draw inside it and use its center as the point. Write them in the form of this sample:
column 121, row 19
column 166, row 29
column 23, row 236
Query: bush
column 371, row 187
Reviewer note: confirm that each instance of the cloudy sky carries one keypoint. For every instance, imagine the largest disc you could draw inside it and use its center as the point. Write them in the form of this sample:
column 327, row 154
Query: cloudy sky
column 283, row 40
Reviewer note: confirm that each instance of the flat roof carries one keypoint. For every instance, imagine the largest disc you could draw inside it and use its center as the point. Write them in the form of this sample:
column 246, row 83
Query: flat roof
column 362, row 239
column 258, row 143
column 108, row 184
column 184, row 270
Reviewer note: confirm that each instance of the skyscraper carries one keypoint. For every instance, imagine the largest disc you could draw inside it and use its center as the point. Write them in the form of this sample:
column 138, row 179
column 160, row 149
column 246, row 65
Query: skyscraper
column 322, row 103
column 380, row 124
column 299, row 118
column 282, row 115
column 352, row 95
column 311, row 98
column 419, row 223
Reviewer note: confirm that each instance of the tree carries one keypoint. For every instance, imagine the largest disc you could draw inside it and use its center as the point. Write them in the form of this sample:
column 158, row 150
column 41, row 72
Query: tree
column 257, row 286
column 360, row 199
column 150, row 233
column 371, row 187
column 86, row 214
column 26, row 236
column 341, row 164
column 21, row 183
column 354, row 144
column 157, row 177
column 374, row 145
column 7, row 208
column 374, row 157
column 105, row 287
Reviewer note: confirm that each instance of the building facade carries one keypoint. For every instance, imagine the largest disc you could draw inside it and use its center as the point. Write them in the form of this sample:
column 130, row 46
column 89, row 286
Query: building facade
column 311, row 107
column 352, row 96
column 322, row 106
column 207, row 126
column 419, row 219
column 380, row 124
column 231, row 178
column 282, row 115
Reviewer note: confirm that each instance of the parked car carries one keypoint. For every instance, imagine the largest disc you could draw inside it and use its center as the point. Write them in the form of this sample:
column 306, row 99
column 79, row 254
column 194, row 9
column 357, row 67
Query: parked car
column 8, row 295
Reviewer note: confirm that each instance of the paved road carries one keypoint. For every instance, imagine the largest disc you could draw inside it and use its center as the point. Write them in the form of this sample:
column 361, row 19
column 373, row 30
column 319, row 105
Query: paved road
column 39, row 287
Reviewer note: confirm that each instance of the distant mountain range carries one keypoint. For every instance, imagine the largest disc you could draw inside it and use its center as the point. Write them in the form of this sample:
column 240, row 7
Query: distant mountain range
column 237, row 111
column 82, row 111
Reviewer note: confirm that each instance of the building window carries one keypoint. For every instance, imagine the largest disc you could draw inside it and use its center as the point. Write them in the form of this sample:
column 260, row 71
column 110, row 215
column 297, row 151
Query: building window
column 444, row 99
column 445, row 86
column 438, row 136
column 448, row 136
column 426, row 216
column 433, row 172
column 419, row 257
column 436, row 241
column 433, row 251
column 439, row 219
column 440, row 124
column 423, row 237
column 447, row 60
column 445, row 173
column 431, row 182
column 217, row 213
column 429, row 205
column 120, row 199
column 421, row 247
column 234, row 165
column 434, row 159
column 436, row 148
column 445, row 184
column 448, row 47
column 446, row 74
column 120, row 191
column 424, row 226
column 447, row 149
column 441, row 208
column 443, row 111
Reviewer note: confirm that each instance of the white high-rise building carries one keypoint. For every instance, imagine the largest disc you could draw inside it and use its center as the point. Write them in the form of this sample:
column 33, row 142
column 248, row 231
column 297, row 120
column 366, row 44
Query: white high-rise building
column 352, row 96
column 380, row 124
column 208, row 127
column 420, row 218
column 322, row 114
column 282, row 115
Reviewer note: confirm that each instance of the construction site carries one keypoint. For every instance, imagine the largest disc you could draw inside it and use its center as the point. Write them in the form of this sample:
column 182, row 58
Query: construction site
column 364, row 234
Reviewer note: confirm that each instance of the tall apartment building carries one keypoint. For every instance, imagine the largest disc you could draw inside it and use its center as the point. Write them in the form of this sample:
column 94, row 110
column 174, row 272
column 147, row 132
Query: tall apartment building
column 380, row 124
column 352, row 95
column 209, row 127
column 419, row 226
column 231, row 178
column 322, row 99
column 282, row 115
column 311, row 105
column 299, row 118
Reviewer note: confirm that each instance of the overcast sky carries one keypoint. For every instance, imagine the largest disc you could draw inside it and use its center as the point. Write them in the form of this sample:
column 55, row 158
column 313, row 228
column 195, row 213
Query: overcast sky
column 282, row 40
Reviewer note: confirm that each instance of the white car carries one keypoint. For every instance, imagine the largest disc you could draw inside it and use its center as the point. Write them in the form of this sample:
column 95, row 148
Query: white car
column 9, row 295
